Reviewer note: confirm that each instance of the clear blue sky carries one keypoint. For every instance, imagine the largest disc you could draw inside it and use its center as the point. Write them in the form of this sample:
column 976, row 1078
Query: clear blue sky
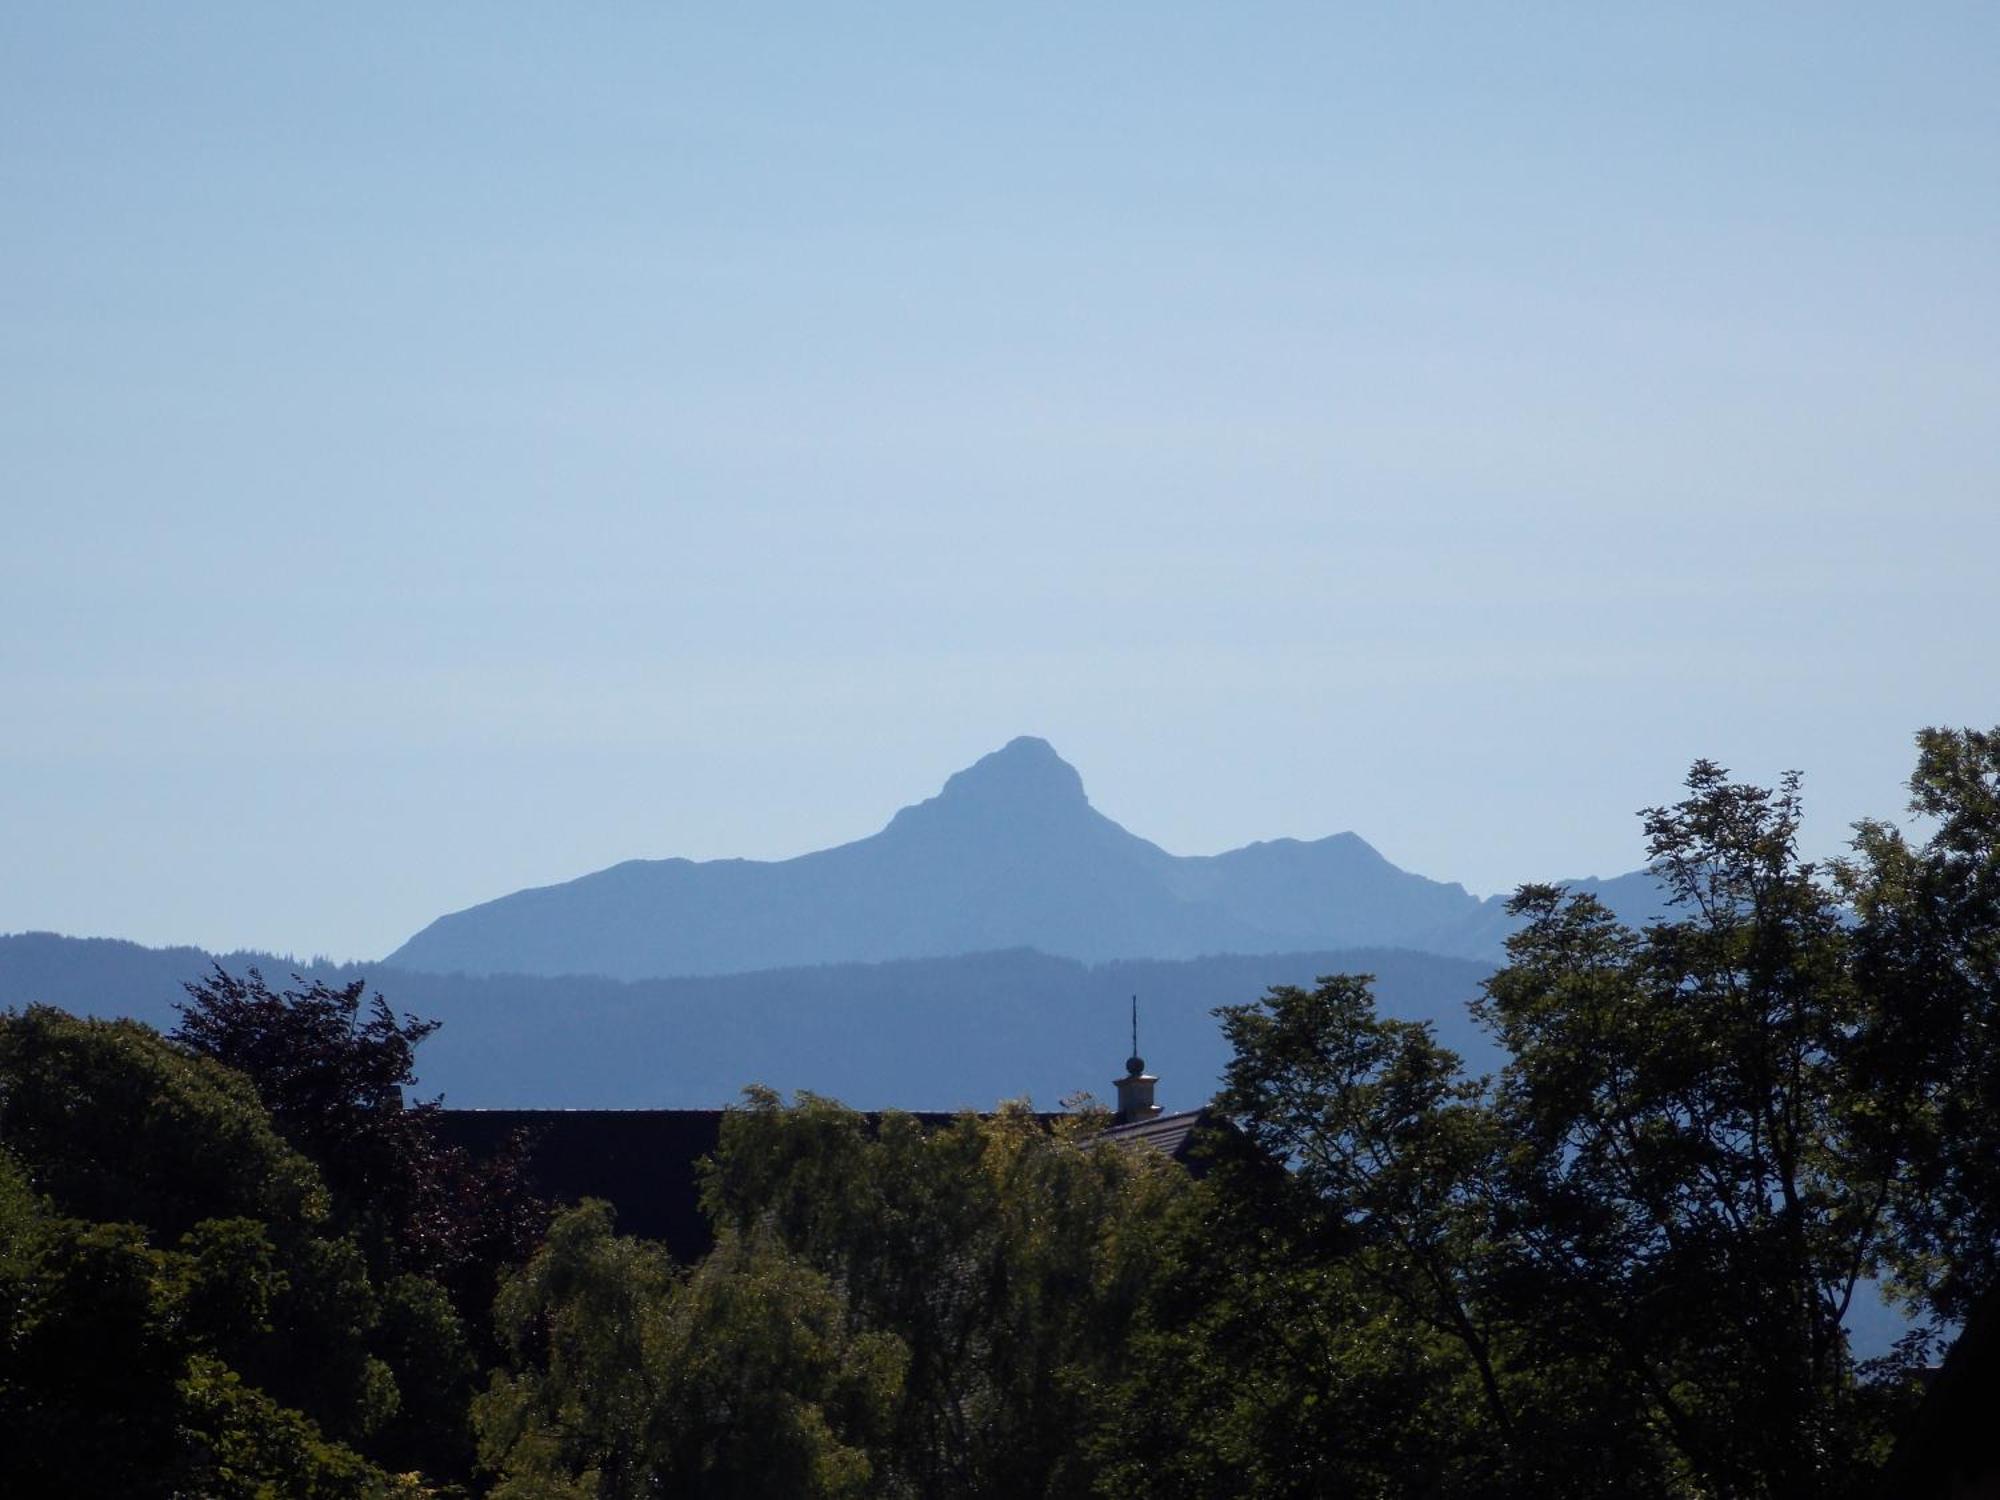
column 451, row 448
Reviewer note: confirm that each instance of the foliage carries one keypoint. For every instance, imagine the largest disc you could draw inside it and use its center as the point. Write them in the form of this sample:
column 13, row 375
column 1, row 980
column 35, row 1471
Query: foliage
column 1640, row 1240
column 1386, row 1142
column 1261, row 1365
column 159, row 1236
column 1372, row 1278
column 1687, row 1199
column 111, row 1378
column 243, row 1265
column 1008, row 1255
column 1928, row 943
column 436, row 1229
column 116, row 1126
column 248, row 1447
column 334, row 1075
column 629, row 1378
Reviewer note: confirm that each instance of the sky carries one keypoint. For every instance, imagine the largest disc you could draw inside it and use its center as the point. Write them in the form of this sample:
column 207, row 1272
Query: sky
column 453, row 448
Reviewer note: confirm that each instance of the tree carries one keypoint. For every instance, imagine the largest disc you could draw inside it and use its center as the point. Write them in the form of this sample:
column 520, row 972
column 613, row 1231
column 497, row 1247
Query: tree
column 1641, row 1238
column 335, row 1076
column 1690, row 1200
column 176, row 1319
column 1693, row 1200
column 1266, row 1362
column 1386, row 1246
column 1927, row 939
column 629, row 1378
column 1008, row 1254
column 114, row 1125
column 1386, row 1139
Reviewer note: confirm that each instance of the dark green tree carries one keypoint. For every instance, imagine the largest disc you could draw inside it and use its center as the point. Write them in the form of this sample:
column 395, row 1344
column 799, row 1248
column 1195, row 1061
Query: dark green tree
column 114, row 1125
column 1690, row 1200
column 1386, row 1249
column 176, row 1320
column 1007, row 1253
column 1637, row 1245
column 335, row 1066
column 1266, row 1362
column 1927, row 939
column 629, row 1377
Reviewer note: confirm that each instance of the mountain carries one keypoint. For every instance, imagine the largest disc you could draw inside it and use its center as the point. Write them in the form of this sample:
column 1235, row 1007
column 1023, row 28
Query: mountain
column 1009, row 854
column 938, row 1033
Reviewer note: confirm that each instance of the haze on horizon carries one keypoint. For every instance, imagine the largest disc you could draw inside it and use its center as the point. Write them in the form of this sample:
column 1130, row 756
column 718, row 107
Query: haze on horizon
column 453, row 451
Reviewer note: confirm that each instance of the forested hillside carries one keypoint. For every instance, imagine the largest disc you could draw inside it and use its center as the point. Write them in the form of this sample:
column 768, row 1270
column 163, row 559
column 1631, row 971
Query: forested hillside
column 923, row 1034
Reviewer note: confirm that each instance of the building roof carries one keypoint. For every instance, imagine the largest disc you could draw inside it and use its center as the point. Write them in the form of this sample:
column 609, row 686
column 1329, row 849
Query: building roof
column 645, row 1162
column 1173, row 1136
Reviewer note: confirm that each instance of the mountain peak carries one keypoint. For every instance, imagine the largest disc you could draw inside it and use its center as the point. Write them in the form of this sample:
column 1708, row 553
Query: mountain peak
column 1008, row 854
column 1024, row 772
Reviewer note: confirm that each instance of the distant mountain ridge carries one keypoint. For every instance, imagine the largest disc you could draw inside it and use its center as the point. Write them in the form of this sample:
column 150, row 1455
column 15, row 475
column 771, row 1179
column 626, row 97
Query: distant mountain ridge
column 1010, row 854
column 937, row 1033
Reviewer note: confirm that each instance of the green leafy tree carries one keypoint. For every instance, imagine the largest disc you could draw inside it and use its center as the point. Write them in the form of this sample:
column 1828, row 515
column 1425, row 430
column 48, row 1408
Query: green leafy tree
column 245, row 1446
column 1927, row 939
column 116, row 1126
column 1387, row 1140
column 436, row 1229
column 112, row 1375
column 1010, row 1256
column 1266, row 1362
column 1637, row 1245
column 334, row 1066
column 158, row 1235
column 631, row 1378
column 1689, row 1200
column 1381, row 1205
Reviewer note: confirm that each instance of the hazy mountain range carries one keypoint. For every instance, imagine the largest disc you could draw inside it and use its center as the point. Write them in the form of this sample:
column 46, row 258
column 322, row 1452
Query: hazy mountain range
column 981, row 946
column 918, row 1034
column 1010, row 854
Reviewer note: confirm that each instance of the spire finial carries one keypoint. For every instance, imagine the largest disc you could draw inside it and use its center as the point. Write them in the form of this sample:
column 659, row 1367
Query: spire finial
column 1135, row 1089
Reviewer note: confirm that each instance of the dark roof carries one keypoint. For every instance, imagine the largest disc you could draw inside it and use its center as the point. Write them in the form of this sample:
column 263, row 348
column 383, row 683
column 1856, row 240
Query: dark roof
column 644, row 1162
column 1173, row 1136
